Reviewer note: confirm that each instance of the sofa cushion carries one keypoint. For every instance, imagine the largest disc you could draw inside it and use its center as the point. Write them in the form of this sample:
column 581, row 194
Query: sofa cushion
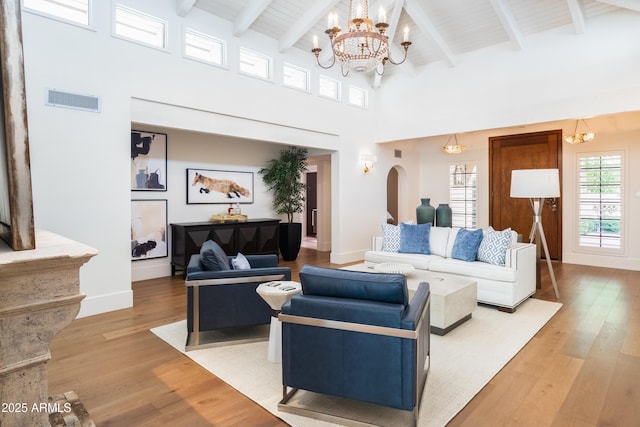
column 494, row 245
column 438, row 238
column 240, row 262
column 475, row 269
column 212, row 257
column 466, row 245
column 419, row 261
column 452, row 239
column 414, row 238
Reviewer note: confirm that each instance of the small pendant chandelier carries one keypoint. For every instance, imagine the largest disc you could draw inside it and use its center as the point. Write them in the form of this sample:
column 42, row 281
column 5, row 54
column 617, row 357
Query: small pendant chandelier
column 361, row 48
column 580, row 138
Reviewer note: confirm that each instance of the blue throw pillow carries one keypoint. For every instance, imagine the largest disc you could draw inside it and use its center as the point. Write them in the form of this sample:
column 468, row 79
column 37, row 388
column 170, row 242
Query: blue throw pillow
column 212, row 257
column 414, row 238
column 466, row 245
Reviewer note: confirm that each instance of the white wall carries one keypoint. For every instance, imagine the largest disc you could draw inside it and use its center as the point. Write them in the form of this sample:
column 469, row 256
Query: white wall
column 80, row 160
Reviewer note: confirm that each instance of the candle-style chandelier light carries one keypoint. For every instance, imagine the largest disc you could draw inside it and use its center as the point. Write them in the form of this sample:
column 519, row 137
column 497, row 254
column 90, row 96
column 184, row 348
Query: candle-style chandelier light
column 364, row 47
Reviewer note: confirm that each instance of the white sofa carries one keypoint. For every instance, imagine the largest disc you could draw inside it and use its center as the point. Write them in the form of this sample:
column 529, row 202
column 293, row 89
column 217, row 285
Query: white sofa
column 503, row 286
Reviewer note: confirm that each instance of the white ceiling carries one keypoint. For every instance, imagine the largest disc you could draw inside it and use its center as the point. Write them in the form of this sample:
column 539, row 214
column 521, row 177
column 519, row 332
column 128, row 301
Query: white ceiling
column 440, row 30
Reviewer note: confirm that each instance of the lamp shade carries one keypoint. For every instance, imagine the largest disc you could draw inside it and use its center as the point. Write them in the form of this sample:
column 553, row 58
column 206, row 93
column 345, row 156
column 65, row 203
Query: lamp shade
column 534, row 183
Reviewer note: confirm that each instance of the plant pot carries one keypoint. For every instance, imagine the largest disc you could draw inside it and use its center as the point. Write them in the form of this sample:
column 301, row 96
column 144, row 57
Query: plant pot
column 290, row 237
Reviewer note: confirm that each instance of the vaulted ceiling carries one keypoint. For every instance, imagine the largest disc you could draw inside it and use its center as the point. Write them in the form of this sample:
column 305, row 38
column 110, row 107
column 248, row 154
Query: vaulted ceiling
column 440, row 30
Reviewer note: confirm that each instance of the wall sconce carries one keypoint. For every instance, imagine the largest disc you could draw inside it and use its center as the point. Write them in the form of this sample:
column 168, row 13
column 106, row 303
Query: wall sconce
column 453, row 148
column 367, row 161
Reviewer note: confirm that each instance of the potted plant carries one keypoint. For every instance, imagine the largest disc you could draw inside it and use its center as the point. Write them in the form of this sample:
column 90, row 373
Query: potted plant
column 282, row 177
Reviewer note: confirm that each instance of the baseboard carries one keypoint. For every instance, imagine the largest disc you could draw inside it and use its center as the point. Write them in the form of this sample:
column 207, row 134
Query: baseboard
column 105, row 303
column 347, row 257
column 140, row 271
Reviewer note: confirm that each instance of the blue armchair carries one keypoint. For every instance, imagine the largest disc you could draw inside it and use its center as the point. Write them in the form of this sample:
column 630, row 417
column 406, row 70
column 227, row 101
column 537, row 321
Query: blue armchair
column 222, row 299
column 356, row 335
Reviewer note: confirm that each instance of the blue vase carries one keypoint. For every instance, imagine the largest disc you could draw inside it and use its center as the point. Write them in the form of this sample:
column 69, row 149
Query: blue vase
column 425, row 212
column 443, row 215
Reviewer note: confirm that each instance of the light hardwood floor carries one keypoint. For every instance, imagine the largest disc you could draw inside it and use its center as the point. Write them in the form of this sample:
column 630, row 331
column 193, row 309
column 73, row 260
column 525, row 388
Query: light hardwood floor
column 581, row 369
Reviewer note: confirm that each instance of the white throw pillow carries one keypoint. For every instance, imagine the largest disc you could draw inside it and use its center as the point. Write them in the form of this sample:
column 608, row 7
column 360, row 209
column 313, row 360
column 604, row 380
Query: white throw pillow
column 452, row 239
column 494, row 245
column 438, row 239
column 240, row 262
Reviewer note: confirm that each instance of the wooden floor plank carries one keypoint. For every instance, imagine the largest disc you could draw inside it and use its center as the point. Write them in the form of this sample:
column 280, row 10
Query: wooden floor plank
column 581, row 369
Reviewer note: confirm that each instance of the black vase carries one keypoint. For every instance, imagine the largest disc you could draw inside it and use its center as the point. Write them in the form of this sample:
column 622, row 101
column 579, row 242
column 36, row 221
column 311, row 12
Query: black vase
column 443, row 215
column 425, row 212
column 289, row 239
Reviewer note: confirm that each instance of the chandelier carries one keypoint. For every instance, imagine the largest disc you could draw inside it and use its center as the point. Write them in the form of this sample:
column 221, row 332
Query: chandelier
column 453, row 148
column 361, row 48
column 580, row 138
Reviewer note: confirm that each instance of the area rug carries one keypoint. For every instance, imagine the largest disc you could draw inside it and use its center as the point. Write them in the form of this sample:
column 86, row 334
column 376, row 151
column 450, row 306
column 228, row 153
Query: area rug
column 462, row 363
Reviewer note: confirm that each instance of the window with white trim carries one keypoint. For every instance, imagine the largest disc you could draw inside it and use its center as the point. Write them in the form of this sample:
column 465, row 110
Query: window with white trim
column 600, row 201
column 75, row 11
column 358, row 96
column 139, row 27
column 330, row 88
column 295, row 77
column 463, row 194
column 255, row 64
column 203, row 47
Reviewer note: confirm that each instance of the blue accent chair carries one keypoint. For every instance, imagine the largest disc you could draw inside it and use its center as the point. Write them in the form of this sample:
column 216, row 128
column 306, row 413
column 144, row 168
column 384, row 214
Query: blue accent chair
column 356, row 335
column 227, row 298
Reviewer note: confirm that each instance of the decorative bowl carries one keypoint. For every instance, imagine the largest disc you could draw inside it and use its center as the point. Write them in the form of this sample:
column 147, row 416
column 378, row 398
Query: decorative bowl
column 394, row 268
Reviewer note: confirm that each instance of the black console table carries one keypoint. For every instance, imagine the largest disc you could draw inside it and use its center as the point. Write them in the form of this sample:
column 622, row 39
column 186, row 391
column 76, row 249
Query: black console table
column 255, row 236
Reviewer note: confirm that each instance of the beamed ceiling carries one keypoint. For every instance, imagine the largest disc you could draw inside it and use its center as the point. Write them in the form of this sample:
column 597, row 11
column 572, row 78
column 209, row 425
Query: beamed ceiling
column 440, row 30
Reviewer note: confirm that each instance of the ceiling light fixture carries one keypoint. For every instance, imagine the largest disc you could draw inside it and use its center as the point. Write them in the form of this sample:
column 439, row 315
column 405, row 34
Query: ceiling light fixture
column 453, row 148
column 580, row 138
column 362, row 48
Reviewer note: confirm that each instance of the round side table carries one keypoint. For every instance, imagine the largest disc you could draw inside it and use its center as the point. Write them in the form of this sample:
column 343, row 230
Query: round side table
column 275, row 294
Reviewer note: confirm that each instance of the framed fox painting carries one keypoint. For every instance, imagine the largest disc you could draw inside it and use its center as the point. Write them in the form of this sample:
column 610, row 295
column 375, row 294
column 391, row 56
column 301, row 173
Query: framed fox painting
column 217, row 186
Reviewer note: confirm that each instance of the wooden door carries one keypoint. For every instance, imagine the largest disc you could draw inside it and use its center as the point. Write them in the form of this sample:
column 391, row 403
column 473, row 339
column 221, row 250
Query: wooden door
column 539, row 150
column 311, row 203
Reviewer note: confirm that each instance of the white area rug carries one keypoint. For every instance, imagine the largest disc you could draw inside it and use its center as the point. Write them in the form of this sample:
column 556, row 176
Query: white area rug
column 462, row 363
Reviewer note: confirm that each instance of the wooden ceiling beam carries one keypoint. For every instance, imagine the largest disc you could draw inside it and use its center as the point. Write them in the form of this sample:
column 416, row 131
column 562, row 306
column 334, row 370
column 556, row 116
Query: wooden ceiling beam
column 626, row 4
column 251, row 11
column 509, row 22
column 419, row 16
column 319, row 10
column 577, row 16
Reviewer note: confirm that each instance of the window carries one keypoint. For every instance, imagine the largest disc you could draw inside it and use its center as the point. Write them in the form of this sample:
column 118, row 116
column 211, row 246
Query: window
column 203, row 47
column 255, row 64
column 463, row 190
column 76, row 11
column 600, row 201
column 358, row 96
column 140, row 27
column 295, row 77
column 329, row 88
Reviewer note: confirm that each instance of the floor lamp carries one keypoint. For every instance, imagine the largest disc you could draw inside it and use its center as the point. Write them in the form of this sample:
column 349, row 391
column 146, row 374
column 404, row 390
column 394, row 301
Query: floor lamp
column 537, row 185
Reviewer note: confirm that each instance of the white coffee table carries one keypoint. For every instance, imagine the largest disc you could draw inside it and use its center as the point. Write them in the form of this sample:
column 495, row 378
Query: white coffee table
column 453, row 298
column 276, row 293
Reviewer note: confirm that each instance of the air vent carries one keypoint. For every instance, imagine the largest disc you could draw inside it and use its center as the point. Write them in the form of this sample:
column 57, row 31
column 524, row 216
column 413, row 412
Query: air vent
column 397, row 154
column 56, row 98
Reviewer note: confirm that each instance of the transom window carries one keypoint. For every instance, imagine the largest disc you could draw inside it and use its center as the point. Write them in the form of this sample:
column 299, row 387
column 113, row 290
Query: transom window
column 329, row 88
column 76, row 11
column 203, row 47
column 137, row 26
column 255, row 64
column 295, row 77
column 463, row 194
column 600, row 201
column 358, row 96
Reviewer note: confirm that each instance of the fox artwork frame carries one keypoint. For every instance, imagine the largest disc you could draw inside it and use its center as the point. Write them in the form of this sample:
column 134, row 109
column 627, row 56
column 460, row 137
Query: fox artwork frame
column 206, row 186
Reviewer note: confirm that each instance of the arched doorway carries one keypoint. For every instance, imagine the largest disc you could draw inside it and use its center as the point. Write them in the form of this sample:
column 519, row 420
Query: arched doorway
column 392, row 196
